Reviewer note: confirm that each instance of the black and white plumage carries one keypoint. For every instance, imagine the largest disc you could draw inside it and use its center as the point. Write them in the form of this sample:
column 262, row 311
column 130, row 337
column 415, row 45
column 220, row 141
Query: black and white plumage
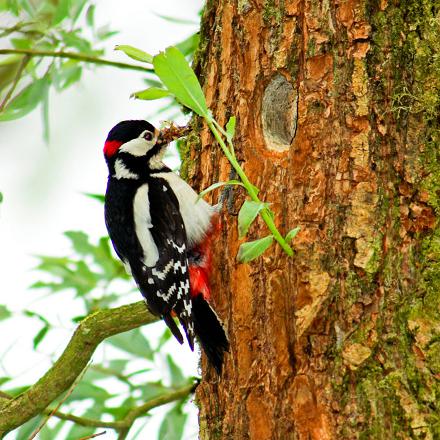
column 154, row 221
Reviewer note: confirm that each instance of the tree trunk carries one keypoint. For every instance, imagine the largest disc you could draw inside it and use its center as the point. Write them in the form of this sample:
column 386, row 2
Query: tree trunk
column 337, row 109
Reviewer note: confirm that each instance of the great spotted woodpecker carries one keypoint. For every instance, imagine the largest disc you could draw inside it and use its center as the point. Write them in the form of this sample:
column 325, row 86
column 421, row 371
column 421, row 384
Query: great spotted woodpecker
column 162, row 234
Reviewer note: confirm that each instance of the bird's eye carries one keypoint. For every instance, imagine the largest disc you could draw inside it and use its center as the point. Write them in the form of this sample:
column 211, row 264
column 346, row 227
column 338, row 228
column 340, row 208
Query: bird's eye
column 148, row 136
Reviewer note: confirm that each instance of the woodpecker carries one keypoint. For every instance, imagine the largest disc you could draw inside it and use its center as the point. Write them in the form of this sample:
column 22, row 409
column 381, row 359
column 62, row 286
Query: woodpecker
column 163, row 234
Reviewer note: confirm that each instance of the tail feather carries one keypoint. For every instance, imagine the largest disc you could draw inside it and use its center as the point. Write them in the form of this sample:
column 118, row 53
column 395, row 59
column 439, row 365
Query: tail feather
column 189, row 331
column 169, row 321
column 210, row 332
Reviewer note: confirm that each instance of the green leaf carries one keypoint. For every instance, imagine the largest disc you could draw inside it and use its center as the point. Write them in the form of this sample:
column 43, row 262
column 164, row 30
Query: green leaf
column 45, row 115
column 1, row 197
column 28, row 7
column 69, row 73
column 21, row 43
column 166, row 336
column 189, row 45
column 39, row 336
column 230, row 128
column 11, row 6
column 90, row 16
column 248, row 213
column 121, row 410
column 176, row 74
column 176, row 20
column 32, row 314
column 111, row 267
column 80, row 242
column 17, row 390
column 218, row 185
column 173, row 424
column 78, row 319
column 99, row 197
column 28, row 428
column 136, row 54
column 87, row 390
column 26, row 101
column 80, row 432
column 153, row 83
column 252, row 249
column 4, row 312
column 133, row 342
column 61, row 12
column 11, row 59
column 78, row 6
column 152, row 390
column 4, row 380
column 83, row 280
column 292, row 234
column 150, row 94
column 51, row 433
column 104, row 33
column 177, row 377
column 118, row 365
column 75, row 40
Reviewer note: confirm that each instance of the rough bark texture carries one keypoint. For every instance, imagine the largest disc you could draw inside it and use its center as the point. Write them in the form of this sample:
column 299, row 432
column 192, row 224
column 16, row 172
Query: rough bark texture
column 337, row 105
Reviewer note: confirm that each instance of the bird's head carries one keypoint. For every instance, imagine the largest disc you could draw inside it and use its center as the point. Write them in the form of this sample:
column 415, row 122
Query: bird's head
column 133, row 148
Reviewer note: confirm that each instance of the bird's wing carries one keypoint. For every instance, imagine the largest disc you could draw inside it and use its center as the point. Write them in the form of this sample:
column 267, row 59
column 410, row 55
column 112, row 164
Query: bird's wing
column 165, row 285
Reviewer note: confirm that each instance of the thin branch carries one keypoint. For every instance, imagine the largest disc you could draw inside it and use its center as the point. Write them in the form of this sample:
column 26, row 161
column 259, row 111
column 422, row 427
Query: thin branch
column 89, row 334
column 141, row 410
column 112, row 372
column 133, row 414
column 65, row 397
column 90, row 423
column 93, row 435
column 76, row 56
column 20, row 70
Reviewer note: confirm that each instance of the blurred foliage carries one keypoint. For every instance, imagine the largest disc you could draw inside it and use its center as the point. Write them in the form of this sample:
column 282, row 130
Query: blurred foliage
column 45, row 26
column 61, row 27
column 132, row 371
column 113, row 386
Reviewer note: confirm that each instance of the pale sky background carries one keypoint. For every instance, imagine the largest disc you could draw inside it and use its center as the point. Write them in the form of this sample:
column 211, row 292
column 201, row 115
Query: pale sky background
column 43, row 184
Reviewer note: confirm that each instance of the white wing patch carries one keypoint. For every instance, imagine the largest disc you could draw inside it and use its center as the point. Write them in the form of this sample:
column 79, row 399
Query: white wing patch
column 122, row 172
column 180, row 249
column 196, row 214
column 142, row 222
column 162, row 274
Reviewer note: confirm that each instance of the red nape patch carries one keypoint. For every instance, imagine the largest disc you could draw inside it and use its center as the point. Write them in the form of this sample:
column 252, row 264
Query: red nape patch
column 110, row 147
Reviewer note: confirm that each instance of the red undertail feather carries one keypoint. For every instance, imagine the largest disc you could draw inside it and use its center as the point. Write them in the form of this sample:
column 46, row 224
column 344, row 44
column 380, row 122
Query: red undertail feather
column 207, row 325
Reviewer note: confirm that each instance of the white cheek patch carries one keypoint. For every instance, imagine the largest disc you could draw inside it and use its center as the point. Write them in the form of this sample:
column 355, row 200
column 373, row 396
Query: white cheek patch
column 142, row 222
column 137, row 147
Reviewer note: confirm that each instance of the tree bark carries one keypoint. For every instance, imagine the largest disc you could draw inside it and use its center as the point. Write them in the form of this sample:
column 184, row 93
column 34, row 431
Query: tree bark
column 337, row 107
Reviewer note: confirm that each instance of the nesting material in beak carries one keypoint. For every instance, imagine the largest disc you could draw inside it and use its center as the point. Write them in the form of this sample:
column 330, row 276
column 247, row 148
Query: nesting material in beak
column 171, row 133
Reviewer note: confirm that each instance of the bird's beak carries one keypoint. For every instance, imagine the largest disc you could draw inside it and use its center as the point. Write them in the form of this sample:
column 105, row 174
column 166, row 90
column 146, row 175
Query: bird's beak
column 171, row 133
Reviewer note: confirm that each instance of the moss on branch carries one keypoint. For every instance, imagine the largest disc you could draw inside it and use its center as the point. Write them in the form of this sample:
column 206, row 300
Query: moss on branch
column 89, row 334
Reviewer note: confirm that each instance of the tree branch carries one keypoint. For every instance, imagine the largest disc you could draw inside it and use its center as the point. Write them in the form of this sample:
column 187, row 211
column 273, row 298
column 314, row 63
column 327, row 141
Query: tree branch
column 20, row 70
column 89, row 334
column 124, row 425
column 75, row 56
column 134, row 413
